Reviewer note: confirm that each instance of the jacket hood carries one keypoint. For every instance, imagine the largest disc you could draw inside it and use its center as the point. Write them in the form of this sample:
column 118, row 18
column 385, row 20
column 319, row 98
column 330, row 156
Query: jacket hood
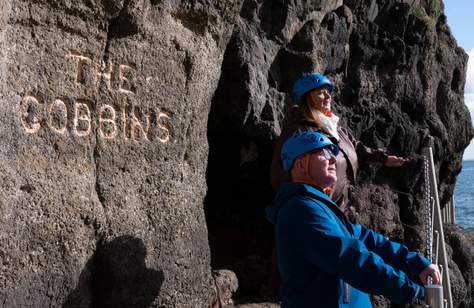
column 289, row 190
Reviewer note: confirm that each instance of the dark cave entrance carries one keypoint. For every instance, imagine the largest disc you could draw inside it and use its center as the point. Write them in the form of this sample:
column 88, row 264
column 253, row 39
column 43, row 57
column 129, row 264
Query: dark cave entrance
column 238, row 181
column 240, row 238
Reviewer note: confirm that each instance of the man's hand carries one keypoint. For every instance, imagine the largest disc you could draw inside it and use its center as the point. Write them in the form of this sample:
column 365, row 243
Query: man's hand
column 394, row 161
column 433, row 271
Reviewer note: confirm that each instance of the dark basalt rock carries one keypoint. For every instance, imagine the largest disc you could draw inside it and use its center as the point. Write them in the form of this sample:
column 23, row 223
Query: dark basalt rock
column 399, row 75
column 105, row 162
column 461, row 244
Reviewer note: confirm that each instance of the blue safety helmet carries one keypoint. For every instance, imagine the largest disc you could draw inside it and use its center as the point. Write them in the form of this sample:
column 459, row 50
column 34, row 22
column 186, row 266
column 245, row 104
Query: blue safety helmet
column 302, row 143
column 308, row 82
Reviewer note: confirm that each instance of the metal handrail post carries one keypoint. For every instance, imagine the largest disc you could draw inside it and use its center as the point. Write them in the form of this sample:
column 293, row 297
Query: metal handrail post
column 438, row 226
column 453, row 211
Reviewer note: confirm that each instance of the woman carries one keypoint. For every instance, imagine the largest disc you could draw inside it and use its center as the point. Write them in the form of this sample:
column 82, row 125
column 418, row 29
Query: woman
column 312, row 112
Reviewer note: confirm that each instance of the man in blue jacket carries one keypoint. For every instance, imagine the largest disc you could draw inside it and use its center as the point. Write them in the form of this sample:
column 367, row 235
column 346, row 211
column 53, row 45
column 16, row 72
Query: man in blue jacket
column 324, row 260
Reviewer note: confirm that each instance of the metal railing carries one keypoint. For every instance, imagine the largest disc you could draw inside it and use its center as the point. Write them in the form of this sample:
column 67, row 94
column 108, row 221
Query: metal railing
column 448, row 213
column 437, row 247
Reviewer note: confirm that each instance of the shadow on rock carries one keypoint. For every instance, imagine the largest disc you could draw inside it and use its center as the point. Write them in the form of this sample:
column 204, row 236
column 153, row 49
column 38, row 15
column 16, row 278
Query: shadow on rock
column 117, row 276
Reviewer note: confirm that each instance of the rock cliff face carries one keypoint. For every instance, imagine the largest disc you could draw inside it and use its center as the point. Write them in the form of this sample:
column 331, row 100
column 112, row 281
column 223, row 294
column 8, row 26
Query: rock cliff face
column 400, row 78
column 105, row 108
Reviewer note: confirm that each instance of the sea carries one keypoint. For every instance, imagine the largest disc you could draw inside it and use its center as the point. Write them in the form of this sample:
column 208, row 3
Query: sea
column 464, row 196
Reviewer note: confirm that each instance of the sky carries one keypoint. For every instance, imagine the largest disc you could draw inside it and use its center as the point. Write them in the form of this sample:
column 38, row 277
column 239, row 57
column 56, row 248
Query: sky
column 461, row 23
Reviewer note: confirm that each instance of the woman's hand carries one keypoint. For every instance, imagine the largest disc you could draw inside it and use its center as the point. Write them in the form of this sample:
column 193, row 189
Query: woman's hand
column 394, row 161
column 431, row 271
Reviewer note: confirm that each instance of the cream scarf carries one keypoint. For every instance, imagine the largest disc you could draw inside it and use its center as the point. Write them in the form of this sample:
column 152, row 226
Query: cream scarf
column 329, row 124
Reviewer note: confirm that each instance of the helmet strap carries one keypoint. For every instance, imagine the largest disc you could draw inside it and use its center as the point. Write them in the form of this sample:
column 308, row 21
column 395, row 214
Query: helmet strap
column 306, row 178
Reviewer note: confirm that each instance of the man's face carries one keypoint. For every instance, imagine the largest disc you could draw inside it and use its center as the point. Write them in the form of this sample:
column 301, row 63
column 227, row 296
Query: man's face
column 323, row 167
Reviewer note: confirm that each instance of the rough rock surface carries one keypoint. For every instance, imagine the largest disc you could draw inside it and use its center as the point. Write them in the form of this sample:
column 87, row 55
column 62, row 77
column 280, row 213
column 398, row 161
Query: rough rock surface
column 104, row 106
column 226, row 285
column 256, row 305
column 461, row 243
column 400, row 77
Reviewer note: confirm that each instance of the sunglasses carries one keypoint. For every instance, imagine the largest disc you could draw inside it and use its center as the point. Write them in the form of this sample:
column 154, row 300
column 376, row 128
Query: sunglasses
column 327, row 153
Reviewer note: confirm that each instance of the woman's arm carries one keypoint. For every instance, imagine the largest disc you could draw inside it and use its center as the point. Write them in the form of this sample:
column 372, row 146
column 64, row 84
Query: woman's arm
column 368, row 154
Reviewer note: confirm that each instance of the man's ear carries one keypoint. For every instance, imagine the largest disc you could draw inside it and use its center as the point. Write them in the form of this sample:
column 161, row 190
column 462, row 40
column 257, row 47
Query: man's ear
column 298, row 165
column 297, row 170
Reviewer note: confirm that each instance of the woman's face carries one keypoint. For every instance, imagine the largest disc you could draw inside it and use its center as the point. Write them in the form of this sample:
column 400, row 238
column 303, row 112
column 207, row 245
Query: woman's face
column 321, row 99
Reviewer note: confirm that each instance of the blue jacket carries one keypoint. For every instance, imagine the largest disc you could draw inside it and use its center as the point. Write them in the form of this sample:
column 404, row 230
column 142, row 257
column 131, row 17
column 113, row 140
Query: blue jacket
column 326, row 261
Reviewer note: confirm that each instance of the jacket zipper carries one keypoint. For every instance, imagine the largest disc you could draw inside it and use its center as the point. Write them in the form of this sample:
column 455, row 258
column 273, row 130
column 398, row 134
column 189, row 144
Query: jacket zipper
column 346, row 295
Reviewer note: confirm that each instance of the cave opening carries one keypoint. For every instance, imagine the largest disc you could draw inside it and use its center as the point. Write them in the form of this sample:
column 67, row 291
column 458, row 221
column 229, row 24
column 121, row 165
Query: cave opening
column 240, row 238
column 238, row 184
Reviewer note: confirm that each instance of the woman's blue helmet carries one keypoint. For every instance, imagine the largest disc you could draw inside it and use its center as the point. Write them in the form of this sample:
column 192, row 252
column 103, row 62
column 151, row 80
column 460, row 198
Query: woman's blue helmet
column 302, row 143
column 308, row 82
